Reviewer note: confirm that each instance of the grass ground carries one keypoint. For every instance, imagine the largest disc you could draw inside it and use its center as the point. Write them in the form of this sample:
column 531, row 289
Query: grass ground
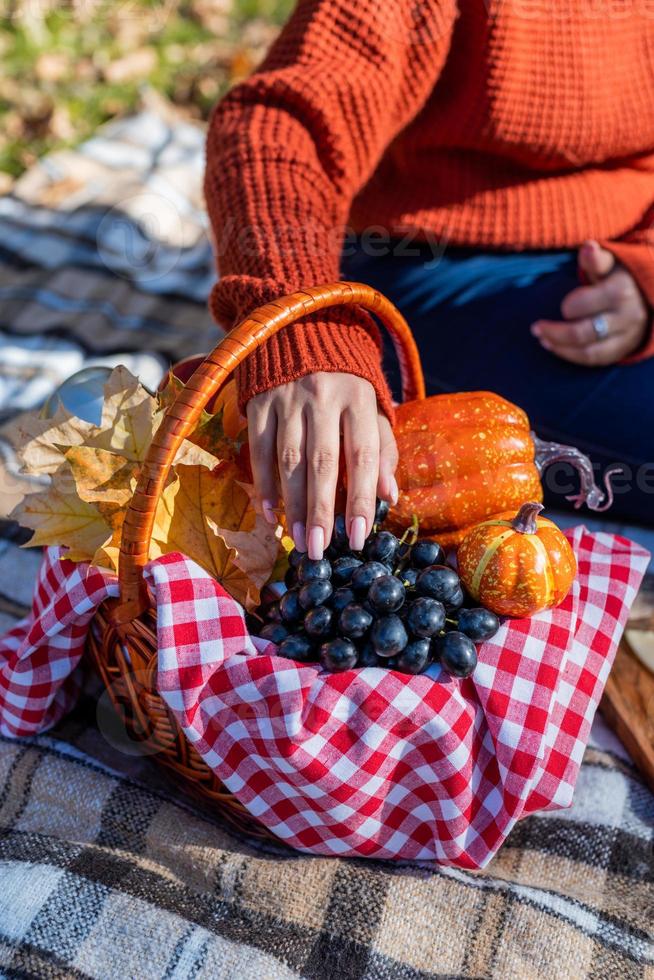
column 70, row 65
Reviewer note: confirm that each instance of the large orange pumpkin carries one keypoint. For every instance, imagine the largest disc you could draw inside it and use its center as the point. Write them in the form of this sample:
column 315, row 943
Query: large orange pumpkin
column 517, row 565
column 470, row 456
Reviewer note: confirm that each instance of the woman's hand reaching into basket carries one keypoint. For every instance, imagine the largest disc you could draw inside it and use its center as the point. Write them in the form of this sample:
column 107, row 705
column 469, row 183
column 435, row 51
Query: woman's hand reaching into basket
column 295, row 433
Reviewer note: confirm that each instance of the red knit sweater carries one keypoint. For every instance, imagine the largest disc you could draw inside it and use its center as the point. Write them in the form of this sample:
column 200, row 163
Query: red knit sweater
column 512, row 125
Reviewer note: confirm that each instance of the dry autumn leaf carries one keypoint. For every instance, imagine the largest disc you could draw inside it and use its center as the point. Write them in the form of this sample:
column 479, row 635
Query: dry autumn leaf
column 58, row 514
column 130, row 417
column 205, row 509
column 101, row 476
column 208, row 515
column 252, row 557
column 40, row 443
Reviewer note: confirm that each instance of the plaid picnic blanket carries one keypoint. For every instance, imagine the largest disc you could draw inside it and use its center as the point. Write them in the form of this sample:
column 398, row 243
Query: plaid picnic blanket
column 104, row 259
column 107, row 870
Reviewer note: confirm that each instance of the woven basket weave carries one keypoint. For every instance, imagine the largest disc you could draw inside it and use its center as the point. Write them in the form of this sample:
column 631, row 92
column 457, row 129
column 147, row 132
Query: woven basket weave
column 122, row 641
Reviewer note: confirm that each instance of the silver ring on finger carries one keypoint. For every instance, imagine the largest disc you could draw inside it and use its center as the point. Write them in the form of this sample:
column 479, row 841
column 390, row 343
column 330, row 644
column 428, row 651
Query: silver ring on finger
column 600, row 326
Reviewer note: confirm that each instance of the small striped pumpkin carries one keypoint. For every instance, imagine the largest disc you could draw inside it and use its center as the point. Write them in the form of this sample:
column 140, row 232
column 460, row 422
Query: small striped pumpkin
column 517, row 566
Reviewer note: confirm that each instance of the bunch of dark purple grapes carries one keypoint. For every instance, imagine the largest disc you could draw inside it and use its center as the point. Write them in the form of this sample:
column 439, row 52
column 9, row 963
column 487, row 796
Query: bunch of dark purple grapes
column 396, row 604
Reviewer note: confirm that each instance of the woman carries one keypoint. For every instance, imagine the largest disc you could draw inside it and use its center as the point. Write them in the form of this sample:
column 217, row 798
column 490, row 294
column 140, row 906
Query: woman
column 495, row 162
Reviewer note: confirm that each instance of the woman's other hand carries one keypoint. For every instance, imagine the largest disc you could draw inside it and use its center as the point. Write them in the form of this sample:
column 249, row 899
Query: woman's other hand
column 295, row 433
column 612, row 298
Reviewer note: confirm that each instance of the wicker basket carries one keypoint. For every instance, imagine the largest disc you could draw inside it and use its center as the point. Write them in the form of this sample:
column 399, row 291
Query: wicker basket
column 122, row 641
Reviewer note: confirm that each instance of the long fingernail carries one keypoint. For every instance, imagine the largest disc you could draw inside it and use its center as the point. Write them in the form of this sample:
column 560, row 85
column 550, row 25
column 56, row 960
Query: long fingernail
column 316, row 543
column 357, row 533
column 269, row 511
column 546, row 344
column 535, row 330
column 394, row 490
column 299, row 536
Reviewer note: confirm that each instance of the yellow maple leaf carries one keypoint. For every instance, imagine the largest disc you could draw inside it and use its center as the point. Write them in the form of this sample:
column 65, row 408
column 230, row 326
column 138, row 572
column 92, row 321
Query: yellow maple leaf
column 205, row 510
column 40, row 443
column 130, row 417
column 180, row 520
column 100, row 476
column 208, row 516
column 57, row 516
column 190, row 454
column 251, row 553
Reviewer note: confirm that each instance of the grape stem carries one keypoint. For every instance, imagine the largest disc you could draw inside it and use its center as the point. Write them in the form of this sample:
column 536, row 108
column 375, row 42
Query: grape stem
column 412, row 532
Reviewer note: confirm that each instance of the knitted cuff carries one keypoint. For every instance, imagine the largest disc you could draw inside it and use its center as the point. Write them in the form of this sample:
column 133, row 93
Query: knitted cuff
column 638, row 258
column 340, row 339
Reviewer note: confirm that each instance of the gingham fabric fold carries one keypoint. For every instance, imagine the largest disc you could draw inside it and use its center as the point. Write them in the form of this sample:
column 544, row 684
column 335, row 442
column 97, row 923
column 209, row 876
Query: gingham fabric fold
column 369, row 762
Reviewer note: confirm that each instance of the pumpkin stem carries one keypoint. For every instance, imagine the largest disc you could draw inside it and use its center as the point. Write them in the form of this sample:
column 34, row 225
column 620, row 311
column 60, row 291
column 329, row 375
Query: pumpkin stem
column 525, row 519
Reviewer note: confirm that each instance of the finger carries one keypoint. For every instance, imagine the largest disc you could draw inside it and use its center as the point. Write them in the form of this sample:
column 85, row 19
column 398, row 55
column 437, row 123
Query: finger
column 262, row 433
column 575, row 333
column 595, row 262
column 599, row 354
column 387, row 484
column 588, row 300
column 291, row 463
column 361, row 440
column 323, row 443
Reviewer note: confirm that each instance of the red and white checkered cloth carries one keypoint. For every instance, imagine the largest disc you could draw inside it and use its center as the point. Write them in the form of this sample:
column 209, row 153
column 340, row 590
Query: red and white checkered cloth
column 369, row 762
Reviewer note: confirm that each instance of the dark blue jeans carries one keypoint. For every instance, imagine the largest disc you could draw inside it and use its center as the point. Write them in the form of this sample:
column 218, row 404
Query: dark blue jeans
column 470, row 313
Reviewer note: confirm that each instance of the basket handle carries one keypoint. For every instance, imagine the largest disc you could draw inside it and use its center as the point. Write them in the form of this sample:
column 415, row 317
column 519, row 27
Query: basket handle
column 182, row 415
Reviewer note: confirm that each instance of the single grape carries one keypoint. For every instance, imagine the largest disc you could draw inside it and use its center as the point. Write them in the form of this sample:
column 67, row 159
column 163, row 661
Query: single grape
column 343, row 568
column 289, row 606
column 338, row 654
column 314, row 593
column 425, row 553
column 388, row 636
column 354, row 621
column 381, row 511
column 409, row 577
column 290, row 577
column 457, row 653
column 253, row 623
column 364, row 575
column 294, row 557
column 318, row 622
column 296, row 647
column 271, row 592
column 381, row 547
column 386, row 594
column 438, row 582
column 425, row 617
column 275, row 632
column 341, row 598
column 414, row 658
column 272, row 613
column 368, row 658
column 339, row 534
column 455, row 601
column 311, row 571
column 331, row 553
column 479, row 624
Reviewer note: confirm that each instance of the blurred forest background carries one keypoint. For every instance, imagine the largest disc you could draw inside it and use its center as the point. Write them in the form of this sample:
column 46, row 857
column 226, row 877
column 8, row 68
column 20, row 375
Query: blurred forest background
column 70, row 65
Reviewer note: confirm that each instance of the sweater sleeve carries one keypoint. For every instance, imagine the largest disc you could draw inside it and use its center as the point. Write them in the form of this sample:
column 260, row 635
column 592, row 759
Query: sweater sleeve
column 635, row 251
column 288, row 150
